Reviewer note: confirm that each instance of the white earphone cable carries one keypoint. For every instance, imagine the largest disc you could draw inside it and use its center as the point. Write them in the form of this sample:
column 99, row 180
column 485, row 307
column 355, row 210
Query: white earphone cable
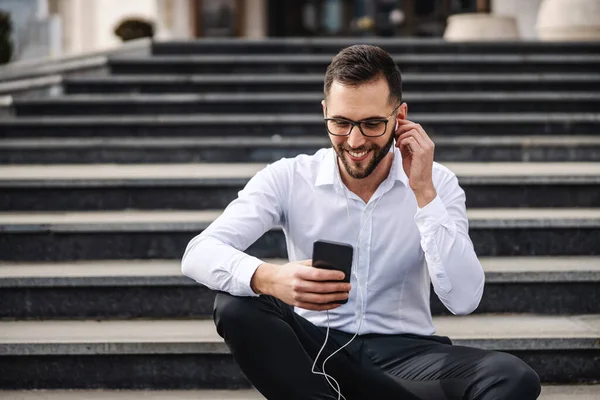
column 328, row 377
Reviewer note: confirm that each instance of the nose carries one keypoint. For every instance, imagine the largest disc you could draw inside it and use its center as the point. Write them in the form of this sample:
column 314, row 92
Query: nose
column 356, row 138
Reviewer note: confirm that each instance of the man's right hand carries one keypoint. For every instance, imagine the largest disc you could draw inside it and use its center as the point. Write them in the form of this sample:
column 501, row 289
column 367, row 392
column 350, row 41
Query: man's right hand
column 301, row 285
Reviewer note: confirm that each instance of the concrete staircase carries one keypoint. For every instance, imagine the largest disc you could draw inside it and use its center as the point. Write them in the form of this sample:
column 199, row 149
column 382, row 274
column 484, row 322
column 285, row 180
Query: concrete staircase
column 102, row 187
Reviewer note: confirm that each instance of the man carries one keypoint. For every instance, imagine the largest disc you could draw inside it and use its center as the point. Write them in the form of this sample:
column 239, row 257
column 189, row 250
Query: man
column 404, row 215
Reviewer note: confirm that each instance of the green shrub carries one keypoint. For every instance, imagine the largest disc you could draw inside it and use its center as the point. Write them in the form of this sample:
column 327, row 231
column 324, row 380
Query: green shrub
column 134, row 28
column 6, row 46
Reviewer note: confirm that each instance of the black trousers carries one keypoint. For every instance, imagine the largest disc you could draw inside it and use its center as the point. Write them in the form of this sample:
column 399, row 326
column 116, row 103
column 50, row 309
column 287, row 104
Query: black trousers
column 275, row 348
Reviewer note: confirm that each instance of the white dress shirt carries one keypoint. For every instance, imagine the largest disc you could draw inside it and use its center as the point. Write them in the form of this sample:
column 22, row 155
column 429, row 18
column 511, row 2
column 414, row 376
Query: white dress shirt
column 401, row 249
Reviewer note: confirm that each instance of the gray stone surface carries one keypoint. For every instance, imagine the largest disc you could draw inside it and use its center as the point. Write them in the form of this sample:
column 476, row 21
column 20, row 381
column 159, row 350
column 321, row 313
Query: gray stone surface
column 317, row 79
column 141, row 243
column 305, row 63
column 290, row 125
column 125, row 354
column 300, row 119
column 242, row 394
column 549, row 392
column 497, row 218
column 206, row 194
column 198, row 173
column 509, row 332
column 468, row 59
column 304, row 83
column 326, row 45
column 268, row 149
column 157, row 289
column 214, row 185
column 150, row 235
column 159, row 272
column 274, row 103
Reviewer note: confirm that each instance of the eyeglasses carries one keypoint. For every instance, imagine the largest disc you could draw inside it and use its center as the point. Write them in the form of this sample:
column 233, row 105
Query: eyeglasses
column 368, row 127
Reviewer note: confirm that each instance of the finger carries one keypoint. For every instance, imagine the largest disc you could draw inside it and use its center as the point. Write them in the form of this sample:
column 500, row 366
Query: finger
column 405, row 130
column 417, row 127
column 411, row 134
column 319, row 298
column 402, row 122
column 419, row 133
column 421, row 138
column 410, row 145
column 405, row 150
column 305, row 262
column 406, row 126
column 321, row 287
column 319, row 274
column 422, row 131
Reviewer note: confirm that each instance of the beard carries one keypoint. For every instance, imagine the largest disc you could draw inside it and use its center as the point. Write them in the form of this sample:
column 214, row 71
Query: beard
column 362, row 169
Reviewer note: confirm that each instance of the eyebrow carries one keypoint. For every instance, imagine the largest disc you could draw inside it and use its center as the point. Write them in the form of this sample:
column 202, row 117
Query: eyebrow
column 364, row 119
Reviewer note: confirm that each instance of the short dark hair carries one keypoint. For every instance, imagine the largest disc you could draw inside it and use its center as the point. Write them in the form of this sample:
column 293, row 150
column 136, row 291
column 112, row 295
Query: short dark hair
column 363, row 63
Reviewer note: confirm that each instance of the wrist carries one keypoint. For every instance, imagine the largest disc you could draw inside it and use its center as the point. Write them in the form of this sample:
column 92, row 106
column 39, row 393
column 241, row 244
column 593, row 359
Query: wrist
column 262, row 279
column 425, row 195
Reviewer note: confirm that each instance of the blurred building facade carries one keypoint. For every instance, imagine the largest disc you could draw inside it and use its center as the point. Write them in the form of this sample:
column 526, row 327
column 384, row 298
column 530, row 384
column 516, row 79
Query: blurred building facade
column 62, row 27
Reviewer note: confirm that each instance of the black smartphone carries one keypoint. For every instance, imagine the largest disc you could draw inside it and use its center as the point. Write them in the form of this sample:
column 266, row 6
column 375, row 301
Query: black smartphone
column 333, row 255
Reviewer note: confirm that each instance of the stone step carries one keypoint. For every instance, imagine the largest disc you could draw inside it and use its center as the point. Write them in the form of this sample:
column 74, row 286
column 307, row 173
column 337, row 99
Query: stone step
column 580, row 392
column 251, row 149
column 214, row 186
column 331, row 46
column 295, row 125
column 549, row 392
column 124, row 289
column 311, row 63
column 60, row 236
column 185, row 354
column 313, row 83
column 299, row 103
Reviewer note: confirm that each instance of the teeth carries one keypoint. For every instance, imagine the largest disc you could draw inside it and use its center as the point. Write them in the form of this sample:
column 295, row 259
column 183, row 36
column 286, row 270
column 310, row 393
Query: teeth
column 357, row 155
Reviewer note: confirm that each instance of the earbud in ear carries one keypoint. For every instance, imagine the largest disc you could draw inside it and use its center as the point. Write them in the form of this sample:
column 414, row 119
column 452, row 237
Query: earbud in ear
column 396, row 128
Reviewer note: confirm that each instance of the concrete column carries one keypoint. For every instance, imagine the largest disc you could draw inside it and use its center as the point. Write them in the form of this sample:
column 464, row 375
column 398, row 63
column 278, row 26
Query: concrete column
column 173, row 19
column 524, row 11
column 255, row 19
column 82, row 27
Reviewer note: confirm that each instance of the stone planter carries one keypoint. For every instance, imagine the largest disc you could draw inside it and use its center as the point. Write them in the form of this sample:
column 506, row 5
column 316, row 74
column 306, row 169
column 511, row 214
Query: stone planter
column 480, row 27
column 569, row 20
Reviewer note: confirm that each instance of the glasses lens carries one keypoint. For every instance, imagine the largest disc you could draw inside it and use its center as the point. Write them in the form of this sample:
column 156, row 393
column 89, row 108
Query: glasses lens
column 373, row 128
column 338, row 127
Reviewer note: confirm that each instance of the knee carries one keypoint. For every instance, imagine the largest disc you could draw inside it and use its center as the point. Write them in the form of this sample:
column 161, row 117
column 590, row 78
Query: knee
column 229, row 312
column 239, row 313
column 518, row 380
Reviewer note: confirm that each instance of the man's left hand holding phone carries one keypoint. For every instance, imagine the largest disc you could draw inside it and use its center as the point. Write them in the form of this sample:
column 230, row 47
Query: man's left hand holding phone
column 304, row 284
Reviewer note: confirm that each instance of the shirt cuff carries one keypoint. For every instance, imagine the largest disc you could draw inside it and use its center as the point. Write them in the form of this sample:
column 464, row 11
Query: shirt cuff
column 243, row 275
column 431, row 216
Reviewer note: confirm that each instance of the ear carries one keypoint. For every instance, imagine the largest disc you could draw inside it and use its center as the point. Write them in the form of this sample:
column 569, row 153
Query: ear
column 402, row 114
column 324, row 105
column 403, row 111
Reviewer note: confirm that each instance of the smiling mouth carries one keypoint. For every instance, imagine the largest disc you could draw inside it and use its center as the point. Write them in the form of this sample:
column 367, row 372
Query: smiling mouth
column 357, row 156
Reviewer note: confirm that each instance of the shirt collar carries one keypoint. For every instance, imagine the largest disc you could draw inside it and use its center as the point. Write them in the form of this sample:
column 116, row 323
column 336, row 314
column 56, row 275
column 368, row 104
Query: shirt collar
column 327, row 169
column 397, row 171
